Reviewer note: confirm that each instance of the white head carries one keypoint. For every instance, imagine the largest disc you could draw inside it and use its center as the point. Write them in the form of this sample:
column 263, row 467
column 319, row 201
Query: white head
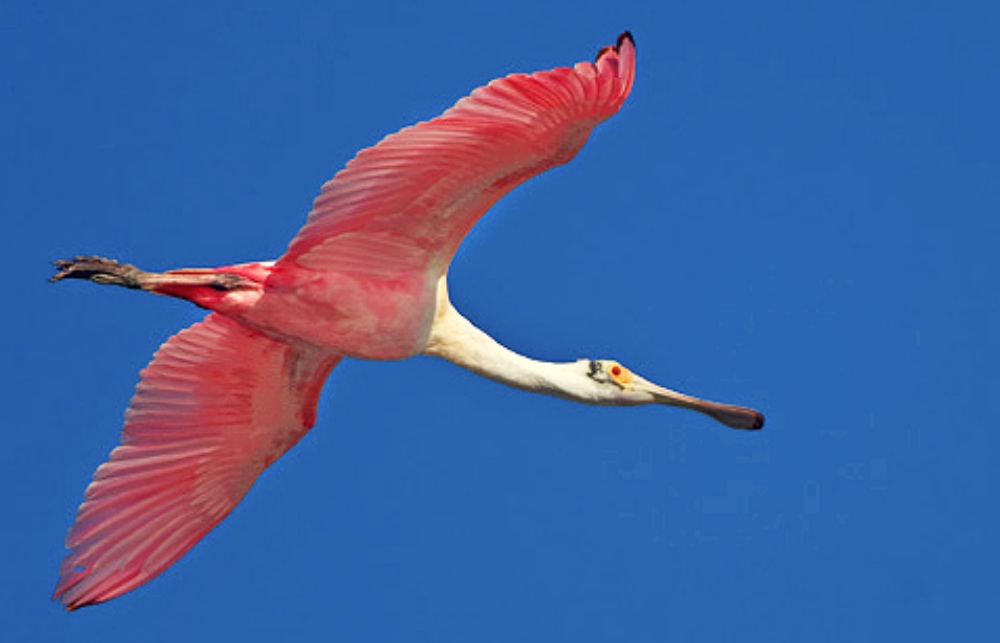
column 594, row 381
column 607, row 382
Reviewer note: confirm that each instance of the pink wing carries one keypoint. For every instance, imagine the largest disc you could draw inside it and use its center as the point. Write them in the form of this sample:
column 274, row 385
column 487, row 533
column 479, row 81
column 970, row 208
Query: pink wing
column 217, row 405
column 404, row 205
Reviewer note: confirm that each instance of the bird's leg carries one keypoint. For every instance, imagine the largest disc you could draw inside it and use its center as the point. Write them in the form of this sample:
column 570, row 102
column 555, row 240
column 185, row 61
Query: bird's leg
column 108, row 271
column 101, row 271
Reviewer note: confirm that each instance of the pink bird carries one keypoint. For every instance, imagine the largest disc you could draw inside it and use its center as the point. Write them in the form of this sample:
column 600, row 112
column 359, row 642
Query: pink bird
column 364, row 278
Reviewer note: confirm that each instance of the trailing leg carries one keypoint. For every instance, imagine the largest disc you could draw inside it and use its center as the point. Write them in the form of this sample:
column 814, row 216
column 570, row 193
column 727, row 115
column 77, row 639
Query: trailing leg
column 206, row 287
column 102, row 271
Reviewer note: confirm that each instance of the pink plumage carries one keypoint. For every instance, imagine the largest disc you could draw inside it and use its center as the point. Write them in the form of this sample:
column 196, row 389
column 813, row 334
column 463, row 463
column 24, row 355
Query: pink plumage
column 217, row 405
column 226, row 397
column 424, row 187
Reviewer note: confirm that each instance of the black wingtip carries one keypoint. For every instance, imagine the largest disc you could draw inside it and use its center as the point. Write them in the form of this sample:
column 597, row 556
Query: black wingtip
column 625, row 35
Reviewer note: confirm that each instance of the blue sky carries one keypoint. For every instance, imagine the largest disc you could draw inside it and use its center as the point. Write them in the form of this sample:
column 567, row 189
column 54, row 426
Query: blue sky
column 796, row 210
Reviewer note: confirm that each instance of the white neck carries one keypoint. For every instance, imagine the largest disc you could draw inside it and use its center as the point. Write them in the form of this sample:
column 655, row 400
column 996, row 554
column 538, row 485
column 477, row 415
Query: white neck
column 457, row 340
column 454, row 338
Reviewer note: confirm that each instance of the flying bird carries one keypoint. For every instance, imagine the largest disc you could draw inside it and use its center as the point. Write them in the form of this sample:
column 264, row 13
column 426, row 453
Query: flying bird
column 365, row 278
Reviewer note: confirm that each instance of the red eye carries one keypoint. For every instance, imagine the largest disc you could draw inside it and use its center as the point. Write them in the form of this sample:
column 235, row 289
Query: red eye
column 616, row 370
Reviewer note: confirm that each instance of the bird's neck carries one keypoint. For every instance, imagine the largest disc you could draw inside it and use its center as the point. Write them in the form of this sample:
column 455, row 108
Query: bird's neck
column 457, row 340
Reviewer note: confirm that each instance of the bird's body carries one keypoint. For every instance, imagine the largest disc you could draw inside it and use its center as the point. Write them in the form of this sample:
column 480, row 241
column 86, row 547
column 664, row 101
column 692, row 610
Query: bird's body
column 364, row 278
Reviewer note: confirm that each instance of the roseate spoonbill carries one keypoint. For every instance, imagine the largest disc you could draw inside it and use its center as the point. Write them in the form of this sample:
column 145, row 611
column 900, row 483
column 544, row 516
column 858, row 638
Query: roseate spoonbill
column 364, row 278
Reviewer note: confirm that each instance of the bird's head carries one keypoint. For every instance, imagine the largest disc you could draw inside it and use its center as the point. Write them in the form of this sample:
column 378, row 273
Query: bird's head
column 613, row 384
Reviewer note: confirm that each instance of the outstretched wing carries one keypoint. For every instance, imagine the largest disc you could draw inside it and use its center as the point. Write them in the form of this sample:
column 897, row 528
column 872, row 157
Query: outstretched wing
column 405, row 204
column 217, row 405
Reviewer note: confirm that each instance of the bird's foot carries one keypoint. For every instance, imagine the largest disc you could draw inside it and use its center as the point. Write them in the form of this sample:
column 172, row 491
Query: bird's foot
column 99, row 270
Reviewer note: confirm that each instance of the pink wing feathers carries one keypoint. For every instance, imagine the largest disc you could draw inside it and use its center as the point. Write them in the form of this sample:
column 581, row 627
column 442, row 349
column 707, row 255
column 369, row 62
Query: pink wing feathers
column 217, row 405
column 221, row 401
column 404, row 205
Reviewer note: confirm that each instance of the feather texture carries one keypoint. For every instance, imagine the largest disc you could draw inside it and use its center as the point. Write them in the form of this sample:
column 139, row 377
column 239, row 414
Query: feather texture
column 217, row 405
column 406, row 203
